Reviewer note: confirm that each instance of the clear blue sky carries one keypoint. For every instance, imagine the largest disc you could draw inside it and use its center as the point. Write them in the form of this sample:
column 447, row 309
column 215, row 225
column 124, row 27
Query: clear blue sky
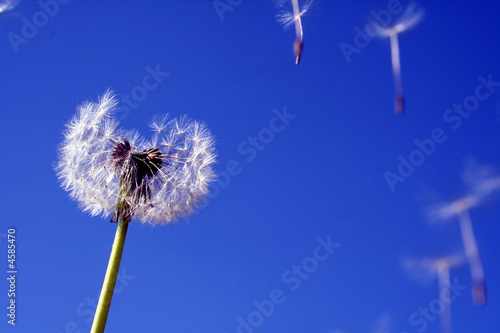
column 317, row 173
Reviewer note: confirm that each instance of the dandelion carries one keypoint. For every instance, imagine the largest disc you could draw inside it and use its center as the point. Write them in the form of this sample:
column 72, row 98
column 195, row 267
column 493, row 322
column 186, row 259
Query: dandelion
column 7, row 5
column 117, row 173
column 482, row 185
column 287, row 18
column 461, row 208
column 428, row 269
column 409, row 19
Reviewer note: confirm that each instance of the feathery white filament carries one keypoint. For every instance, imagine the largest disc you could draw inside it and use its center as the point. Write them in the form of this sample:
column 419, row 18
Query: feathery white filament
column 287, row 17
column 176, row 164
column 7, row 5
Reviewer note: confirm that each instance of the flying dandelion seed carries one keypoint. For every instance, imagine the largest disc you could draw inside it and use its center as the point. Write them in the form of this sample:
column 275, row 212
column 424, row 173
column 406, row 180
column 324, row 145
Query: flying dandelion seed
column 460, row 208
column 287, row 18
column 409, row 19
column 476, row 268
column 440, row 267
column 7, row 5
column 482, row 181
column 110, row 171
column 482, row 186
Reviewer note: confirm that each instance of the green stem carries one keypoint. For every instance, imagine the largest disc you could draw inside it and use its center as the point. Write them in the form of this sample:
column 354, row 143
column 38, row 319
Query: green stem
column 108, row 286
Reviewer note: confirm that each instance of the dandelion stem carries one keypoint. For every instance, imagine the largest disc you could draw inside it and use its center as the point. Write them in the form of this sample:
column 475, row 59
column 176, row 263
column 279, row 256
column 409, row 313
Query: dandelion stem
column 396, row 71
column 297, row 46
column 108, row 286
column 478, row 290
column 444, row 289
column 298, row 23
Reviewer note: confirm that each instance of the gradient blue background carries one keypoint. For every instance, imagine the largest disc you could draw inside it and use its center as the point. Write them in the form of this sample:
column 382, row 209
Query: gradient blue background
column 322, row 175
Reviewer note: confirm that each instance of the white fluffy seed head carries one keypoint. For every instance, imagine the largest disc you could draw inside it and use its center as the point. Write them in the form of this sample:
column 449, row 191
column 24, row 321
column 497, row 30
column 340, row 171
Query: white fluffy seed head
column 167, row 177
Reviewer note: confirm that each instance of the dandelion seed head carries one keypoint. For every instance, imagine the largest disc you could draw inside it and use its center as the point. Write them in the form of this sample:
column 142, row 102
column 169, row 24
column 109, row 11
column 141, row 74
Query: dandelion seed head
column 159, row 181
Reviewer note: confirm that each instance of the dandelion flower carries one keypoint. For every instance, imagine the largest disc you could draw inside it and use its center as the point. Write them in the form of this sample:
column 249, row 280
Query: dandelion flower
column 428, row 269
column 287, row 18
column 110, row 171
column 409, row 19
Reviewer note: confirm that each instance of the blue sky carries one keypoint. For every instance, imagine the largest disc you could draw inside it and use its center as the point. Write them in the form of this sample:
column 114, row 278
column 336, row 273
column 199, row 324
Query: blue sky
column 326, row 134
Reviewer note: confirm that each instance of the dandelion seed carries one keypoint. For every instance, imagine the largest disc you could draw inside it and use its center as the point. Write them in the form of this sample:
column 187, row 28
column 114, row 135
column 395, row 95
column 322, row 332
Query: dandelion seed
column 476, row 268
column 440, row 267
column 482, row 185
column 7, row 5
column 111, row 171
column 287, row 18
column 409, row 19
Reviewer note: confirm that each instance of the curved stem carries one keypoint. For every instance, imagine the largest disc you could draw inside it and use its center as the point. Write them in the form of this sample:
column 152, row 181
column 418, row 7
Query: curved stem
column 108, row 286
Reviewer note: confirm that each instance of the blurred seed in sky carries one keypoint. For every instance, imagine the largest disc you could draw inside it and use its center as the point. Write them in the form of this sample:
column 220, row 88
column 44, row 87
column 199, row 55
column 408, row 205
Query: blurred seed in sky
column 7, row 5
column 409, row 19
column 482, row 185
column 428, row 269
